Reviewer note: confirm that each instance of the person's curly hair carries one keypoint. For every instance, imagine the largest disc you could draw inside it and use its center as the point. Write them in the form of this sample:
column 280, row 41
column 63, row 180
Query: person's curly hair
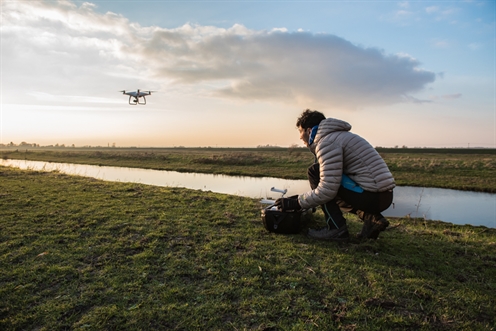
column 309, row 119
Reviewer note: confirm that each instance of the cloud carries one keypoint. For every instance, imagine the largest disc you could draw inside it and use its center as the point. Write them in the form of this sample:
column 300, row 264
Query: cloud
column 410, row 99
column 447, row 96
column 474, row 46
column 431, row 9
column 452, row 96
column 440, row 14
column 44, row 97
column 67, row 46
column 441, row 44
column 284, row 67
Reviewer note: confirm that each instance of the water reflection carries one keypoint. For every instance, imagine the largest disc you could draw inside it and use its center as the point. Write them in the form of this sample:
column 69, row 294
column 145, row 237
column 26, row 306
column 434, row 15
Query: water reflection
column 453, row 206
column 459, row 207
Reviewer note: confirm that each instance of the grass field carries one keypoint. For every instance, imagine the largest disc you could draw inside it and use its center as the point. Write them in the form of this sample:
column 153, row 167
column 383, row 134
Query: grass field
column 83, row 254
column 463, row 169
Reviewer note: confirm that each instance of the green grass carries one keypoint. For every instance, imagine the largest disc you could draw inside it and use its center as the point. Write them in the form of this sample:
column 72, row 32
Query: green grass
column 83, row 254
column 461, row 169
column 473, row 172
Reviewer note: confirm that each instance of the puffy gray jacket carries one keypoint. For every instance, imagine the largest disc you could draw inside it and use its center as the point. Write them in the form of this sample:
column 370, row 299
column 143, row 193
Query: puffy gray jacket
column 339, row 151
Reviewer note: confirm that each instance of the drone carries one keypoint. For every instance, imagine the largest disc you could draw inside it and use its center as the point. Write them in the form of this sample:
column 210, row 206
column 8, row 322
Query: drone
column 136, row 95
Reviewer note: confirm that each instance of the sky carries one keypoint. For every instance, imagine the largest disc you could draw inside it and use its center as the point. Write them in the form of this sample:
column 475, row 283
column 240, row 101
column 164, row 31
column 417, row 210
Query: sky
column 239, row 73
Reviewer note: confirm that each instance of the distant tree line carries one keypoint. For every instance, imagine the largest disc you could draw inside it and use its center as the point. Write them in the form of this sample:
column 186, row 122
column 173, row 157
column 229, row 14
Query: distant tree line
column 32, row 145
column 443, row 150
column 35, row 145
column 23, row 144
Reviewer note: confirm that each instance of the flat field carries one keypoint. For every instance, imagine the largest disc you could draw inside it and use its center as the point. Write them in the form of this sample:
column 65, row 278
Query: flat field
column 83, row 254
column 463, row 169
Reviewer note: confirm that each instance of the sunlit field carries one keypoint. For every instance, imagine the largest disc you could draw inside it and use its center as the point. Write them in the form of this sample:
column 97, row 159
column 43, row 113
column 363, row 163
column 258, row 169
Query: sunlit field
column 463, row 169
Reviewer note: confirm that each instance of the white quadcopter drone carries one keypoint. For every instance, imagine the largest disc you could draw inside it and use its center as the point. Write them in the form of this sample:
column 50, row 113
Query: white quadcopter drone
column 136, row 95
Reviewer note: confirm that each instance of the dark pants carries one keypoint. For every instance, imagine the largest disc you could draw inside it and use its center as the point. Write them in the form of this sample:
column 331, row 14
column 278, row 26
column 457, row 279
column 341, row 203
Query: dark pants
column 367, row 205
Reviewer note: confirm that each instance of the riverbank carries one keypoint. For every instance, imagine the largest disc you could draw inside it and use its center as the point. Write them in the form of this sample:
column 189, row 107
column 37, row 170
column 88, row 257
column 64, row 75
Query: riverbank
column 473, row 170
column 79, row 253
column 454, row 206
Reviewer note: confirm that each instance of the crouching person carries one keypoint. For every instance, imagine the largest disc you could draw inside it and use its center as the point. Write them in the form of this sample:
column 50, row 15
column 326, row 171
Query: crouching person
column 348, row 175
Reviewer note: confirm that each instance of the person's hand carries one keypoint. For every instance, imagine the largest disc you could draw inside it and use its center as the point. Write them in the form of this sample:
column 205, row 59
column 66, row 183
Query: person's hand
column 286, row 204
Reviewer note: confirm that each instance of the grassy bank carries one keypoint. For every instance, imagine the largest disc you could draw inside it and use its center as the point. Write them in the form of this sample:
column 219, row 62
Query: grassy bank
column 83, row 254
column 462, row 169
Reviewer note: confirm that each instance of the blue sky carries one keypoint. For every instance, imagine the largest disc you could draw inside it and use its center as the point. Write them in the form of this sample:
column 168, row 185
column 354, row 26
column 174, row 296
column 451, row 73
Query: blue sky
column 238, row 73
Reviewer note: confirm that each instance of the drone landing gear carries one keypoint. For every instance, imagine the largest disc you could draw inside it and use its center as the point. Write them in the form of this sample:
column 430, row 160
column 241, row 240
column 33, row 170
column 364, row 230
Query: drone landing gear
column 136, row 101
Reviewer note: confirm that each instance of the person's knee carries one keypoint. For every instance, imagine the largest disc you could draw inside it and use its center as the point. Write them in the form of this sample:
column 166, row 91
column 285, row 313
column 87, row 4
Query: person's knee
column 385, row 200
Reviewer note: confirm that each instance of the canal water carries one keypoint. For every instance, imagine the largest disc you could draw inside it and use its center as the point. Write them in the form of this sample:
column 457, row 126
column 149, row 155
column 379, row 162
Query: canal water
column 458, row 207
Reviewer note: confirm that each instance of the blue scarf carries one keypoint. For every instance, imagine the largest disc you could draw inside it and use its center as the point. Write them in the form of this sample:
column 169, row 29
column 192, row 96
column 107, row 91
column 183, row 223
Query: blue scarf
column 312, row 134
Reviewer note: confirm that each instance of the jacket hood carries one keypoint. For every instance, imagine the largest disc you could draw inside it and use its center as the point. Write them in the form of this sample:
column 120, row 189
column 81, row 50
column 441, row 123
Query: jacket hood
column 327, row 126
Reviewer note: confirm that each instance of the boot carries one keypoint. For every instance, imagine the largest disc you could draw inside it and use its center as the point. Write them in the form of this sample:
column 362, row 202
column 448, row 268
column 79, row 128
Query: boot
column 326, row 233
column 372, row 226
column 336, row 229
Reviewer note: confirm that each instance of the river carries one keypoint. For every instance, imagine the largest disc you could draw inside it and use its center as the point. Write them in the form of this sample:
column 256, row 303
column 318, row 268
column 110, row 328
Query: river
column 458, row 207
